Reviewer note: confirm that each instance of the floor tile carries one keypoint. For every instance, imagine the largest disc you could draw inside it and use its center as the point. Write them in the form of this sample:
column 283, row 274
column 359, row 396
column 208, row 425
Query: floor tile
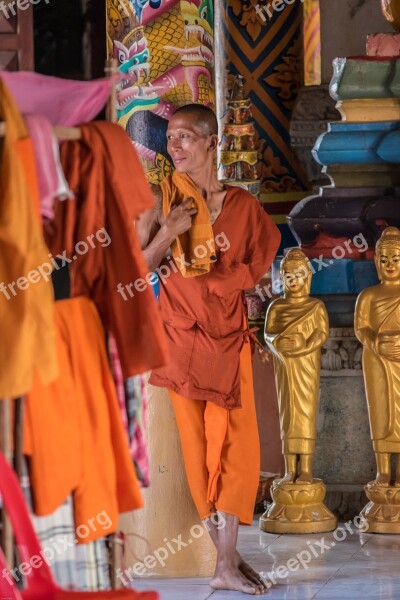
column 361, row 567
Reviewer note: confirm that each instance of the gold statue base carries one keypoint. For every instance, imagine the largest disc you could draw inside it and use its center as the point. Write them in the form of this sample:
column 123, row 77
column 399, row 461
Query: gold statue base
column 382, row 513
column 298, row 508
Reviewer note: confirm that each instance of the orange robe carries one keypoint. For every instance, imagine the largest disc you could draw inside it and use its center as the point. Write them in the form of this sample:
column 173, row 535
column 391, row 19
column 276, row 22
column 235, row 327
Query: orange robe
column 175, row 189
column 209, row 372
column 221, row 449
column 26, row 309
column 204, row 315
column 73, row 431
column 111, row 191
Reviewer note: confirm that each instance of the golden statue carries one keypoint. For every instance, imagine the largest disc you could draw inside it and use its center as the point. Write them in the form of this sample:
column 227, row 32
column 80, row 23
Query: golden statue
column 377, row 326
column 296, row 327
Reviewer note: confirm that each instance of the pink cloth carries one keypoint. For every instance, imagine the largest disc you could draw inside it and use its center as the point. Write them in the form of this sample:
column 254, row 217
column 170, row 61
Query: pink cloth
column 116, row 370
column 51, row 179
column 133, row 406
column 139, row 448
column 62, row 101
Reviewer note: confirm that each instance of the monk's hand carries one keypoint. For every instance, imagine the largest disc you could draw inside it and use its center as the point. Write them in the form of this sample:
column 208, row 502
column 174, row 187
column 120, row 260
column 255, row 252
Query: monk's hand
column 180, row 218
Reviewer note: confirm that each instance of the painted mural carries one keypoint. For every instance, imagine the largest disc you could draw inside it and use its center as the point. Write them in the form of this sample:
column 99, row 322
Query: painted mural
column 165, row 52
column 268, row 52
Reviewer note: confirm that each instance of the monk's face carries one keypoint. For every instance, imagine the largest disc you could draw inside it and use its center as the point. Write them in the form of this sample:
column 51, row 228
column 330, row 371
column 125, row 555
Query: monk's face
column 295, row 278
column 188, row 144
column 388, row 263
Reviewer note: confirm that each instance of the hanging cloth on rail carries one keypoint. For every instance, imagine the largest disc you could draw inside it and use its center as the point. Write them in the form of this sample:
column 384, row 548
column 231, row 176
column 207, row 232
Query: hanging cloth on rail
column 26, row 293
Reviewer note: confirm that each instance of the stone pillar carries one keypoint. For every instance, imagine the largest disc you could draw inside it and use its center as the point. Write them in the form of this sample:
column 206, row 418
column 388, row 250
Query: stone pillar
column 266, row 48
column 165, row 51
column 169, row 515
column 343, row 457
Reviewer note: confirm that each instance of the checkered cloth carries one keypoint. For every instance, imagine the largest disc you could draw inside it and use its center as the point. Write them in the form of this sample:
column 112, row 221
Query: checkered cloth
column 83, row 567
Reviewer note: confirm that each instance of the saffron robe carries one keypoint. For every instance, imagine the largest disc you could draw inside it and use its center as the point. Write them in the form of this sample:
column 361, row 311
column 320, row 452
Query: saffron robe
column 221, row 449
column 111, row 191
column 297, row 378
column 26, row 311
column 73, row 432
column 175, row 189
column 203, row 316
column 381, row 376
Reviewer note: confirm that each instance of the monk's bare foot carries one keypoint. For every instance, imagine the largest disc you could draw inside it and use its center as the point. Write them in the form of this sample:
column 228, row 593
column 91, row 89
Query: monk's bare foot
column 250, row 573
column 288, row 478
column 231, row 578
column 305, row 477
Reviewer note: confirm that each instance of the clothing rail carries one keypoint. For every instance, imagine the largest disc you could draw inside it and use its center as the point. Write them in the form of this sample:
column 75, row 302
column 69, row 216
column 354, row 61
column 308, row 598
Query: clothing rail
column 62, row 133
column 11, row 411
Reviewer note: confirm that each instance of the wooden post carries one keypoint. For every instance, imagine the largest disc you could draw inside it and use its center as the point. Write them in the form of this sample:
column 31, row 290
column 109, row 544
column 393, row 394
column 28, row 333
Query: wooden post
column 6, row 539
column 111, row 69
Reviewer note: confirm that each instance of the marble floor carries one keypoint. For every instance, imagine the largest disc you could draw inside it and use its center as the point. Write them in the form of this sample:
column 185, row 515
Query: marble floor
column 344, row 565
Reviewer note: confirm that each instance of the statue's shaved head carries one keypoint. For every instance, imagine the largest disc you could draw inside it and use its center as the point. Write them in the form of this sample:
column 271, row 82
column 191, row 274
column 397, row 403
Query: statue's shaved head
column 200, row 115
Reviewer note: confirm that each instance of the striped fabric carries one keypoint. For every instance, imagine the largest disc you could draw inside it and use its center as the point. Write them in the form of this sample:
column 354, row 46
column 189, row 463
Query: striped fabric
column 83, row 567
column 133, row 401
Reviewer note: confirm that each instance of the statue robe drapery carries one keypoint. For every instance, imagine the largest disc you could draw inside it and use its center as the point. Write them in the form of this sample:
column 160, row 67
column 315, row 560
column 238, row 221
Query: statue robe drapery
column 297, row 377
column 381, row 376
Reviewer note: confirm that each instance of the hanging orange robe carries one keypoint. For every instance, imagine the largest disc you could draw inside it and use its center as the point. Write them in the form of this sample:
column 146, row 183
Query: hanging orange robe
column 26, row 309
column 209, row 373
column 73, row 431
column 111, row 190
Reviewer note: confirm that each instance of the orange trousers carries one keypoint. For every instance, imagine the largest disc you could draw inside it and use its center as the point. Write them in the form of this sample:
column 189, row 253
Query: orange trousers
column 221, row 449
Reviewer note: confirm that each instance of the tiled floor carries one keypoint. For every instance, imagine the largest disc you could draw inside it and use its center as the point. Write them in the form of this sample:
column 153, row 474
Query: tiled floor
column 343, row 565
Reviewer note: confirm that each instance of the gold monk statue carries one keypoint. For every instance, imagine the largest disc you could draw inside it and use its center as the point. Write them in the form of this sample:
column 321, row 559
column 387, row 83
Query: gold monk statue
column 377, row 326
column 296, row 327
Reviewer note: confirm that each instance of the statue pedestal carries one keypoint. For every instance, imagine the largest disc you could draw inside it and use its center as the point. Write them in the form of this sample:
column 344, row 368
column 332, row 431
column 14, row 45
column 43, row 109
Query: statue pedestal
column 155, row 533
column 298, row 508
column 383, row 511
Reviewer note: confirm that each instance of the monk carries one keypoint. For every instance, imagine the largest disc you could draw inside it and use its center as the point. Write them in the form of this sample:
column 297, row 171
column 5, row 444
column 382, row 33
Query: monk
column 296, row 327
column 377, row 326
column 222, row 243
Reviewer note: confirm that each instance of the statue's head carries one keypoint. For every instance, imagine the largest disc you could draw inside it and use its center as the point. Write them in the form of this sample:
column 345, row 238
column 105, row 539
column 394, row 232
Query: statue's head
column 387, row 255
column 296, row 273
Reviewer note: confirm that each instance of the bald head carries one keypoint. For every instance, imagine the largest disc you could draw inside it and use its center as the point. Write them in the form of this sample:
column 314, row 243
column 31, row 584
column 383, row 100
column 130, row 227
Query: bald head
column 200, row 115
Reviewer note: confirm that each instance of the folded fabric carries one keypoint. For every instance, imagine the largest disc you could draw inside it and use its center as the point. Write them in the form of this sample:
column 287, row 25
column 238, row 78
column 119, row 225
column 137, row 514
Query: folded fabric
column 62, row 101
column 73, row 429
column 194, row 250
column 26, row 298
column 51, row 179
column 112, row 190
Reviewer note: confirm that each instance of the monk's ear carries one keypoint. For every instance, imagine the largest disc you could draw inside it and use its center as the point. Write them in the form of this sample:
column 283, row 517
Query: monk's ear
column 213, row 142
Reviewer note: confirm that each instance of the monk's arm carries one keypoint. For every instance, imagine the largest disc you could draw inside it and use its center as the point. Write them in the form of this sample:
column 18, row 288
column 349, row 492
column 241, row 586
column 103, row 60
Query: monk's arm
column 153, row 237
column 156, row 234
column 260, row 251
